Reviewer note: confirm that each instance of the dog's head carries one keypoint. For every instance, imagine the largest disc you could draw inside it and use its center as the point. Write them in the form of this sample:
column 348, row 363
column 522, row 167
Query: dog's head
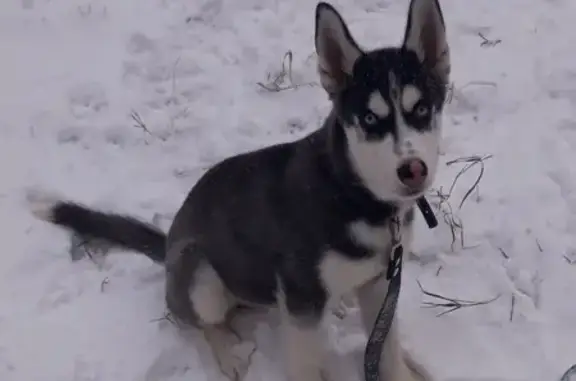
column 388, row 101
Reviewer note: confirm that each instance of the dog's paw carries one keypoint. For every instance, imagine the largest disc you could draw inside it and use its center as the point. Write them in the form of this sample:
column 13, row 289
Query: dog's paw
column 235, row 363
column 233, row 355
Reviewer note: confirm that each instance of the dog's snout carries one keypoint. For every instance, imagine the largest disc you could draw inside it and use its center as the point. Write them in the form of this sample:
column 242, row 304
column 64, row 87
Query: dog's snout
column 412, row 172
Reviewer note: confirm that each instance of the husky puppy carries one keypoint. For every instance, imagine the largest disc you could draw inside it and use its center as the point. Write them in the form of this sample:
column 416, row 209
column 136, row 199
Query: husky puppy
column 298, row 225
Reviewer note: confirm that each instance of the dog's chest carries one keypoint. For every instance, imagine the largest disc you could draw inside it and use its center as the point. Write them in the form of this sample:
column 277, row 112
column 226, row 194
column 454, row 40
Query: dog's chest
column 342, row 274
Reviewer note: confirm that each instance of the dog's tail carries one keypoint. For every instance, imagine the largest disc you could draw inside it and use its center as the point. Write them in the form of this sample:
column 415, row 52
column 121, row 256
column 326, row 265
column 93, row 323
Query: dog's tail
column 115, row 230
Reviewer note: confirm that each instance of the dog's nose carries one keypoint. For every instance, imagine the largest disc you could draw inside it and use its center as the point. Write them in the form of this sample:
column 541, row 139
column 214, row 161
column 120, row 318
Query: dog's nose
column 412, row 172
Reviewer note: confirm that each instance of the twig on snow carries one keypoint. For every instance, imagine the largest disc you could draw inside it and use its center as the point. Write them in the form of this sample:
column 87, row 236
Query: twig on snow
column 84, row 246
column 470, row 162
column 512, row 305
column 479, row 83
column 92, row 248
column 451, row 88
column 487, row 42
column 539, row 246
column 439, row 269
column 443, row 204
column 167, row 317
column 104, row 283
column 278, row 82
column 174, row 67
column 506, row 256
column 139, row 123
column 452, row 304
column 454, row 222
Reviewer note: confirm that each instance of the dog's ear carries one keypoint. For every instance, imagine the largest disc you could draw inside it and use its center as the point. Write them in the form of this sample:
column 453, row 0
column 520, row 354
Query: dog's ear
column 426, row 36
column 337, row 51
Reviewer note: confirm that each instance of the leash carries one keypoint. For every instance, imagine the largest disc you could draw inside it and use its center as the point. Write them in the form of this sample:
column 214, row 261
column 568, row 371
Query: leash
column 570, row 374
column 383, row 323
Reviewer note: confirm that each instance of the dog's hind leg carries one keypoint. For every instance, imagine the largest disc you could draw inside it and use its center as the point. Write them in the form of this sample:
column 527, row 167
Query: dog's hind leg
column 395, row 363
column 196, row 295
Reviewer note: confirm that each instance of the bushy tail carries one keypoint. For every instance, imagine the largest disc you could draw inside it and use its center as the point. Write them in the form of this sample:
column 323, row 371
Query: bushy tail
column 116, row 230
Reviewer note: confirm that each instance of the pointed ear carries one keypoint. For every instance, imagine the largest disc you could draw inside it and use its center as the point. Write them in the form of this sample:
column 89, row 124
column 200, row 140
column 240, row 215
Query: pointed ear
column 337, row 51
column 426, row 36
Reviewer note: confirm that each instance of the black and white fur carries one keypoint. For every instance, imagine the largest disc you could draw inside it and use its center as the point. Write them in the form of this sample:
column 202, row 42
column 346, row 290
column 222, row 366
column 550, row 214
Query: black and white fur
column 298, row 225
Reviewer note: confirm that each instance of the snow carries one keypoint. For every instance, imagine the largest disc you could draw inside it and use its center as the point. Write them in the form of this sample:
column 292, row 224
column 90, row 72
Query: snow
column 72, row 74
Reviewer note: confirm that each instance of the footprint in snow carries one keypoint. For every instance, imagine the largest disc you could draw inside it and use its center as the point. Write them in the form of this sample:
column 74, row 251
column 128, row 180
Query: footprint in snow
column 86, row 100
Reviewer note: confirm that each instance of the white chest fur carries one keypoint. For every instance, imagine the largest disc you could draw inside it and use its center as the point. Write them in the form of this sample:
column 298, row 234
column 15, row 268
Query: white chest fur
column 342, row 275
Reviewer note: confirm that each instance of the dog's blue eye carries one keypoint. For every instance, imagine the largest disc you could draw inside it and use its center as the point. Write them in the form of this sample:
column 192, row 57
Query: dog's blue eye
column 422, row 111
column 370, row 119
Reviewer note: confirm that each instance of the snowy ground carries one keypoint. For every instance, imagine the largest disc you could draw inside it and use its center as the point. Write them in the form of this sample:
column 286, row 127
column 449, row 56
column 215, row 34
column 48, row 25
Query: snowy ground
column 71, row 74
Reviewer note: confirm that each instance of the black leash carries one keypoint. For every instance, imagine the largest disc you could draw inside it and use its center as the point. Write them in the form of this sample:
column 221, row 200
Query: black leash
column 383, row 323
column 570, row 374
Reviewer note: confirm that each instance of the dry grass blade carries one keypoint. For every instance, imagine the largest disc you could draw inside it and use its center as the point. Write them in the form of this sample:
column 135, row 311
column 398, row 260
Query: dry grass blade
column 439, row 269
column 512, row 305
column 139, row 123
column 479, row 83
column 103, row 284
column 452, row 90
column 440, row 199
column 167, row 317
column 506, row 256
column 487, row 42
column 286, row 71
column 452, row 304
column 539, row 246
column 278, row 82
column 94, row 249
column 454, row 222
column 470, row 162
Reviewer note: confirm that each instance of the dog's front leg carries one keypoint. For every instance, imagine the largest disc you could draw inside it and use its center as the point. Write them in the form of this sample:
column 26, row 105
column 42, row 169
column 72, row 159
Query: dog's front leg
column 303, row 336
column 303, row 343
column 393, row 365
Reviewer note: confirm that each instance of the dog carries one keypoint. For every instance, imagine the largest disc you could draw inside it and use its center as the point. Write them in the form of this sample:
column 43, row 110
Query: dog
column 298, row 225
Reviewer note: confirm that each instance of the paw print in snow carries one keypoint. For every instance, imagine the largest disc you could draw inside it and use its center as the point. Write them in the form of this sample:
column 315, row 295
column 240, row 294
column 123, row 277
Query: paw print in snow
column 28, row 4
column 57, row 294
column 526, row 283
column 86, row 371
column 139, row 43
column 6, row 365
column 87, row 100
